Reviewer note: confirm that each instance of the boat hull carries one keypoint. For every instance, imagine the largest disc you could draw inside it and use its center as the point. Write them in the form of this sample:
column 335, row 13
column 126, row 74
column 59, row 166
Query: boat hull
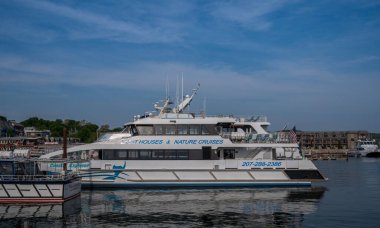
column 198, row 178
column 373, row 154
column 144, row 185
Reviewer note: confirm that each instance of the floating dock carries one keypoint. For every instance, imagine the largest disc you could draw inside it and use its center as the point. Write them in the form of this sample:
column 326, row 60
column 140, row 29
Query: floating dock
column 22, row 182
column 39, row 189
column 327, row 154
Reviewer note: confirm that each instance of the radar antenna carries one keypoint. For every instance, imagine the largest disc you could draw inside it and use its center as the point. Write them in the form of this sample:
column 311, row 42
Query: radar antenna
column 186, row 102
column 165, row 107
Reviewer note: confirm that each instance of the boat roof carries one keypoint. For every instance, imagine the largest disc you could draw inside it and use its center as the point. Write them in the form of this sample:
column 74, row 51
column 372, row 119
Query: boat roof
column 178, row 115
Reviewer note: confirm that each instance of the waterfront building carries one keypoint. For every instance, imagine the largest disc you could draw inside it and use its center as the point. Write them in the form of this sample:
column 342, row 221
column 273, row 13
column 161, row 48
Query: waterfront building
column 33, row 132
column 319, row 140
column 11, row 143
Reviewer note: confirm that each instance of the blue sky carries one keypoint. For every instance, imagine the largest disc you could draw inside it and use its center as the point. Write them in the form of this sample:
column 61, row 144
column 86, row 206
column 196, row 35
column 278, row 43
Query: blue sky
column 313, row 64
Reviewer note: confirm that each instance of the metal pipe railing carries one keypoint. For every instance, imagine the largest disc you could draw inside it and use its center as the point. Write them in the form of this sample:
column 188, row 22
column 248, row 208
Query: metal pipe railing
column 21, row 178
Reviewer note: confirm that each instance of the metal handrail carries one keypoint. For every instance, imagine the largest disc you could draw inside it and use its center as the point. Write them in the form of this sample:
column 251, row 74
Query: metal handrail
column 21, row 178
column 283, row 137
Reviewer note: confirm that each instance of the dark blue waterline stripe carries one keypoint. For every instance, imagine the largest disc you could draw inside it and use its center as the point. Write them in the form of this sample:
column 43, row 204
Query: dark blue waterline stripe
column 194, row 184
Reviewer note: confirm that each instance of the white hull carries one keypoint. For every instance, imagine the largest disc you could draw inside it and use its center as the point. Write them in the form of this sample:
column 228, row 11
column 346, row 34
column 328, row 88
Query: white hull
column 202, row 173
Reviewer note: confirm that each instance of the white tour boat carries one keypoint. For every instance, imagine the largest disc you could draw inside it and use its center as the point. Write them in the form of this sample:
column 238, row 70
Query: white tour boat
column 177, row 149
column 367, row 148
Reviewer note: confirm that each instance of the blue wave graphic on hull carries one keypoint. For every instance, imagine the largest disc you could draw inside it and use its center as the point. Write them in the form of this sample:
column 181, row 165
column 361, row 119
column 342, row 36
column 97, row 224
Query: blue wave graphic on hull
column 111, row 175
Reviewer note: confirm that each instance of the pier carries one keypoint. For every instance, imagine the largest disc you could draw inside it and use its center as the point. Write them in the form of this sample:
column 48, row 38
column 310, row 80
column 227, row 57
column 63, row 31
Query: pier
column 327, row 154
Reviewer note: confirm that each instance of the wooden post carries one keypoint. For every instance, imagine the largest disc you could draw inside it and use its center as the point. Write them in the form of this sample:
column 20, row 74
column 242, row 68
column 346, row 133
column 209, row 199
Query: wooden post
column 64, row 156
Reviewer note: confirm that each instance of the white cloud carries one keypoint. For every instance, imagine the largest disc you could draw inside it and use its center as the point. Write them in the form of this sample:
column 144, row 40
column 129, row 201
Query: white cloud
column 96, row 25
column 151, row 76
column 144, row 75
column 248, row 13
column 25, row 32
column 363, row 59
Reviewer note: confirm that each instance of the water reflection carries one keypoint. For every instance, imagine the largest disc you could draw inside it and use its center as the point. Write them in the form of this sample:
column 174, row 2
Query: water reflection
column 246, row 207
column 243, row 207
column 24, row 215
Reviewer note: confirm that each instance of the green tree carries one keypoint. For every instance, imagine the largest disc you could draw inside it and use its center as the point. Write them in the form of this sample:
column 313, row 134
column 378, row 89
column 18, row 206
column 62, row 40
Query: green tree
column 10, row 132
column 117, row 129
column 83, row 130
column 104, row 128
column 87, row 133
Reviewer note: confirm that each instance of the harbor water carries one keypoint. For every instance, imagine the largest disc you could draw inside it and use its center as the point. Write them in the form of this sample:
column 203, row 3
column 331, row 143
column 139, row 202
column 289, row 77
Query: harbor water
column 350, row 198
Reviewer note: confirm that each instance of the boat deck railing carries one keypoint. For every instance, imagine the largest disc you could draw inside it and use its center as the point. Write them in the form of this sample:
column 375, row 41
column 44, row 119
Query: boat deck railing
column 23, row 178
column 242, row 137
column 238, row 119
column 258, row 118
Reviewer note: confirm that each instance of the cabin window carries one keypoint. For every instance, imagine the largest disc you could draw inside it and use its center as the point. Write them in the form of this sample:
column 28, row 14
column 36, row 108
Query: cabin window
column 158, row 154
column 206, row 150
column 182, row 129
column 144, row 155
column 227, row 130
column 205, row 130
column 219, row 129
column 159, row 129
column 170, row 155
column 170, row 129
column 194, row 130
column 229, row 153
column 127, row 129
column 108, row 155
column 133, row 155
column 134, row 130
column 145, row 130
column 183, row 154
column 210, row 129
column 121, row 154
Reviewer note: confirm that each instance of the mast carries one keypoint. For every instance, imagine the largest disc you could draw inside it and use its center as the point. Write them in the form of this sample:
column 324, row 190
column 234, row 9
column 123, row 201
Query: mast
column 204, row 106
column 177, row 93
column 182, row 88
column 64, row 156
column 167, row 87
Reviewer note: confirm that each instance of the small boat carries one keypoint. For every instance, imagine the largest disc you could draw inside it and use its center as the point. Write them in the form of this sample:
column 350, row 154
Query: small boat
column 21, row 181
column 367, row 148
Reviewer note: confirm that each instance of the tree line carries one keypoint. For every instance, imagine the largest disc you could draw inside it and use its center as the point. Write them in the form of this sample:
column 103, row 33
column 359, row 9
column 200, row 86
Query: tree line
column 86, row 131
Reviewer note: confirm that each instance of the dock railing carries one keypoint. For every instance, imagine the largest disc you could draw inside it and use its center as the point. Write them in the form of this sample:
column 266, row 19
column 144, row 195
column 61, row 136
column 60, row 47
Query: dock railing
column 22, row 178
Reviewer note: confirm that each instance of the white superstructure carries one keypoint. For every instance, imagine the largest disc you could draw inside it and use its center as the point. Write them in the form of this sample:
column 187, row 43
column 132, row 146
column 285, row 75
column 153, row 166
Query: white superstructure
column 367, row 148
column 179, row 149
